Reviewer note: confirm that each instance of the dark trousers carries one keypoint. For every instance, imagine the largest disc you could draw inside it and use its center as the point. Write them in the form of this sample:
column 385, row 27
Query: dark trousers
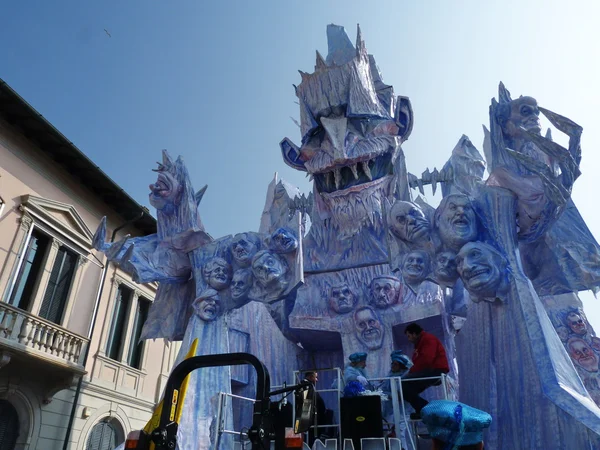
column 412, row 389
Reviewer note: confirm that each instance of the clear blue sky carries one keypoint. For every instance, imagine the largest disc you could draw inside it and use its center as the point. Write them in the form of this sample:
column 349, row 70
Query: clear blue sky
column 212, row 81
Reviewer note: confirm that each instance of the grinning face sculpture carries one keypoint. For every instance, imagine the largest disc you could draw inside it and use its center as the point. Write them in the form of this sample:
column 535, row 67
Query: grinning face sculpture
column 341, row 299
column 217, row 273
column 241, row 283
column 415, row 268
column 482, row 269
column 408, row 222
column 369, row 328
column 269, row 269
column 444, row 268
column 243, row 248
column 455, row 221
column 385, row 291
column 583, row 354
column 576, row 323
column 208, row 305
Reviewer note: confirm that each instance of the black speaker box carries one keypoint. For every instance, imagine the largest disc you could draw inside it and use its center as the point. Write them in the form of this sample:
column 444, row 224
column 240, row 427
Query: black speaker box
column 361, row 418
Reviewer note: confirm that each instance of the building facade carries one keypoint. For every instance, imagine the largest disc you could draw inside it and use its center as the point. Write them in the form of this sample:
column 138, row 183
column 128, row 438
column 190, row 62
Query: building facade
column 65, row 313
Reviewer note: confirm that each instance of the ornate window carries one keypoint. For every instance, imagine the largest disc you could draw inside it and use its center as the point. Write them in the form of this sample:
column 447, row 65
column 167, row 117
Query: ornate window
column 129, row 315
column 52, row 244
column 9, row 425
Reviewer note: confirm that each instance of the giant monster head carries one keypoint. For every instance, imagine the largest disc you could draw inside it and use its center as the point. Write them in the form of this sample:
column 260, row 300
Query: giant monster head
column 351, row 123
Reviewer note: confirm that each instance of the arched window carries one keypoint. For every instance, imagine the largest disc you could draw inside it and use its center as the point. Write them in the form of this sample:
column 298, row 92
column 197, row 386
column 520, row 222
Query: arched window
column 104, row 436
column 9, row 425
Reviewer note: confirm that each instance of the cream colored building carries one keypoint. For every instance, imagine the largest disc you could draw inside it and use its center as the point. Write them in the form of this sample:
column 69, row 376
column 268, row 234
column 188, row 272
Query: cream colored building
column 60, row 300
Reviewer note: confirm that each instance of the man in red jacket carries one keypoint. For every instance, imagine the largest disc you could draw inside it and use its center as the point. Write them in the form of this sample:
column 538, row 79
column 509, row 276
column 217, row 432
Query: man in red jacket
column 429, row 360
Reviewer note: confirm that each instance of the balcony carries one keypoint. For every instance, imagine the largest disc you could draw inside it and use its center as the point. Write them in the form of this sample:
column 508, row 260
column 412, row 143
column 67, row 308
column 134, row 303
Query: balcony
column 39, row 347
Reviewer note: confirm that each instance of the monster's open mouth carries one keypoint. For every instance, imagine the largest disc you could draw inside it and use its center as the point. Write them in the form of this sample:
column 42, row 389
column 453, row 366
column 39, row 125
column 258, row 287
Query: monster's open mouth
column 162, row 185
column 344, row 177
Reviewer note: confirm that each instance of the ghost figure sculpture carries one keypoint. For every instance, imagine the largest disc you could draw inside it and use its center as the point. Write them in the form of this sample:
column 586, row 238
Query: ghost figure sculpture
column 208, row 305
column 217, row 273
column 455, row 222
column 243, row 248
column 342, row 299
column 385, row 291
column 483, row 270
column 369, row 328
column 444, row 268
column 408, row 223
column 415, row 268
column 582, row 354
column 240, row 285
column 270, row 275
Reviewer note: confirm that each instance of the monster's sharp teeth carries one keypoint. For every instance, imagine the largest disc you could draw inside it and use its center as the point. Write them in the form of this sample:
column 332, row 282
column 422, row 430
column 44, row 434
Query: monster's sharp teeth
column 337, row 173
column 327, row 179
column 310, row 178
column 366, row 170
column 354, row 170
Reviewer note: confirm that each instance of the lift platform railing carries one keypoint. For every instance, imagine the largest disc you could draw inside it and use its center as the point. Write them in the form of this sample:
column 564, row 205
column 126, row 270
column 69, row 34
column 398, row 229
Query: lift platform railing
column 338, row 391
column 399, row 406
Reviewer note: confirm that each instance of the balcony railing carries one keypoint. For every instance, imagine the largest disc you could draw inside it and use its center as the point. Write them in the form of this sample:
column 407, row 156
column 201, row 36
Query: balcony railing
column 23, row 333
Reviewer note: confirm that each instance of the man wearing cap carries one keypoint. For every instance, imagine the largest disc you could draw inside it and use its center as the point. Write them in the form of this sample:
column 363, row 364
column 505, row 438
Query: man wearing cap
column 429, row 360
column 355, row 371
column 455, row 425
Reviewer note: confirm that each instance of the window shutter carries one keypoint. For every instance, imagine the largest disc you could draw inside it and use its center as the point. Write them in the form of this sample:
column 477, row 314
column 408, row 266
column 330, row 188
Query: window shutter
column 57, row 291
column 102, row 437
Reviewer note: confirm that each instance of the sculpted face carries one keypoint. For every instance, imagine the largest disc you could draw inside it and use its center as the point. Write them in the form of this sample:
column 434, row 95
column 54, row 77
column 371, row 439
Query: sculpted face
column 208, row 308
column 369, row 328
column 243, row 248
column 481, row 268
column 217, row 273
column 444, row 267
column 408, row 222
column 576, row 324
column 268, row 268
column 524, row 112
column 583, row 354
column 415, row 267
column 385, row 292
column 283, row 241
column 241, row 283
column 456, row 221
column 342, row 300
column 166, row 190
